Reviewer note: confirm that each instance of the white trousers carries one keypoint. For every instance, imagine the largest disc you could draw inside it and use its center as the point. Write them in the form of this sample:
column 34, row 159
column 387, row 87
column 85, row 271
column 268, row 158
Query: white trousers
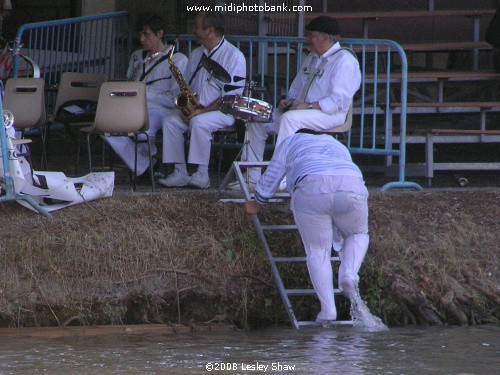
column 285, row 125
column 125, row 147
column 202, row 127
column 322, row 205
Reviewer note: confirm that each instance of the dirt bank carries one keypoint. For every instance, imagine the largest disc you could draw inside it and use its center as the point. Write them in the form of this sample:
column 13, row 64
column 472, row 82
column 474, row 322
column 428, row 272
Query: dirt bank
column 181, row 257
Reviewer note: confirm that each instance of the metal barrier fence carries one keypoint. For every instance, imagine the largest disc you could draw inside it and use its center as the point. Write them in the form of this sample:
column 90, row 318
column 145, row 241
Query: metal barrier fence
column 273, row 62
column 93, row 44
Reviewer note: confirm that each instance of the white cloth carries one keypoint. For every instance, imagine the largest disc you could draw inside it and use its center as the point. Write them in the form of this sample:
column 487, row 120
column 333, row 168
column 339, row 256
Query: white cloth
column 334, row 90
column 162, row 88
column 208, row 90
column 329, row 203
column 53, row 190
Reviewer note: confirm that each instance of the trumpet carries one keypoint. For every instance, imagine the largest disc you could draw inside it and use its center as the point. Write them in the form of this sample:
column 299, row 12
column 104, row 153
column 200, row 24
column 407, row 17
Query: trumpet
column 150, row 57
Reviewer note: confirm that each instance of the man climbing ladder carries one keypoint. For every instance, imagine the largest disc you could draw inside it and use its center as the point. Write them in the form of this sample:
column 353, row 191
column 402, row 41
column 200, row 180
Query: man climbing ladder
column 329, row 204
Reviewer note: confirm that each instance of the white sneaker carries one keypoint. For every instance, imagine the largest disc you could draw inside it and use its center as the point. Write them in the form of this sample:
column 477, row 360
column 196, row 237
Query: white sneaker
column 199, row 180
column 235, row 186
column 176, row 179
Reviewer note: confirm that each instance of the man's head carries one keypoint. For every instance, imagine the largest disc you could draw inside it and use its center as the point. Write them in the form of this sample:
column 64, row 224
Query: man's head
column 150, row 29
column 209, row 27
column 322, row 32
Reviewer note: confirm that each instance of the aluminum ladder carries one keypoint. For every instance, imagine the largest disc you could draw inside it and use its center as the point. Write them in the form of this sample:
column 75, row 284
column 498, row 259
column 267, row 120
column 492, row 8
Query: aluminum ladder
column 236, row 171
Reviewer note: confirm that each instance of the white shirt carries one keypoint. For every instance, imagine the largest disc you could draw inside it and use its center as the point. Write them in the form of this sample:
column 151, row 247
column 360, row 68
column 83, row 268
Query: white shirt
column 161, row 87
column 337, row 85
column 204, row 85
column 305, row 154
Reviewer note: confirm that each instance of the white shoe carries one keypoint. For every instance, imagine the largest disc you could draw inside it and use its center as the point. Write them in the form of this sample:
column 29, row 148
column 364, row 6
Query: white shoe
column 176, row 179
column 236, row 186
column 199, row 180
column 326, row 320
column 282, row 185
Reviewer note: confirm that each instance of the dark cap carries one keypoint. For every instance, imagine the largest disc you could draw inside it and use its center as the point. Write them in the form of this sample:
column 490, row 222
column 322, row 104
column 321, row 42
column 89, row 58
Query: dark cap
column 324, row 24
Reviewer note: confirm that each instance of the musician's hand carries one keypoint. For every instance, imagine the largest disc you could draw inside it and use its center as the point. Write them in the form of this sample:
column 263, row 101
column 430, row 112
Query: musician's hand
column 252, row 207
column 185, row 118
column 284, row 103
column 299, row 106
column 197, row 112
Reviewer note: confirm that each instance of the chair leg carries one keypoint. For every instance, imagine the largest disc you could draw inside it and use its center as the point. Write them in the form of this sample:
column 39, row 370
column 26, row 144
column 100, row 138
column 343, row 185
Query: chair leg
column 222, row 142
column 151, row 169
column 135, row 162
column 77, row 162
column 89, row 152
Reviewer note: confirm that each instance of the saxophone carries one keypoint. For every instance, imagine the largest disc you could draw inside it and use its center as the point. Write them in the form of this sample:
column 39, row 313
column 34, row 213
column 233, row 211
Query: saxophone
column 186, row 101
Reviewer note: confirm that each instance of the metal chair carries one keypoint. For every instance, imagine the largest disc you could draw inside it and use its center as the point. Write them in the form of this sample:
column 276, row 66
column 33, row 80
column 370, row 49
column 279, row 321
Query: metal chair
column 122, row 111
column 25, row 98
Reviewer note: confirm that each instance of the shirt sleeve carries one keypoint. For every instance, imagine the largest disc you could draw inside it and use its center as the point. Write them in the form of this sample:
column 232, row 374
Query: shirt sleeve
column 345, row 80
column 237, row 69
column 270, row 180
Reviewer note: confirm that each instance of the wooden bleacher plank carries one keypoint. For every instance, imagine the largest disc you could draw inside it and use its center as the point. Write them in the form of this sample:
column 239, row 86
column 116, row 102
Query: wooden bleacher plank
column 392, row 14
column 464, row 131
column 433, row 47
column 434, row 76
column 478, row 105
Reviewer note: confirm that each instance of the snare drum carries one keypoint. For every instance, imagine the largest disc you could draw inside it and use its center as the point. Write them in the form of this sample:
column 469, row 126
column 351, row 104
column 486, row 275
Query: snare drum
column 246, row 109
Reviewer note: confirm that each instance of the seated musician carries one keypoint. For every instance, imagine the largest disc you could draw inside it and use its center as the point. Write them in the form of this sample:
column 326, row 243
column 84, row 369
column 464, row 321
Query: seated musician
column 209, row 87
column 319, row 97
column 150, row 65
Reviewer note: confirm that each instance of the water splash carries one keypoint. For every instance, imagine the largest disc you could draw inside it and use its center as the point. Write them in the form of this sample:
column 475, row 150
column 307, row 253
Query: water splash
column 363, row 318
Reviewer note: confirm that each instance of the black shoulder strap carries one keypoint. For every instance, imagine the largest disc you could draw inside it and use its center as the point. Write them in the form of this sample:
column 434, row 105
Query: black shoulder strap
column 160, row 60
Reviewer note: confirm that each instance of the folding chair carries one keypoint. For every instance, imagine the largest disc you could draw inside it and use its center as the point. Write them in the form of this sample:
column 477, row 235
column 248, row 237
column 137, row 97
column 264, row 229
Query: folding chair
column 122, row 111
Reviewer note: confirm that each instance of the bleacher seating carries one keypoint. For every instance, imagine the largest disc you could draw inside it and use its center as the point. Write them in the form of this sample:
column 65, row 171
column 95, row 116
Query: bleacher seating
column 451, row 82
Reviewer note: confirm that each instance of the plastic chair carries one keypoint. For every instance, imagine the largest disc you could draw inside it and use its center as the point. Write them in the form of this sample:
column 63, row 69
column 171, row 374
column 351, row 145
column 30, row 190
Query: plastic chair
column 76, row 102
column 122, row 111
column 342, row 128
column 25, row 98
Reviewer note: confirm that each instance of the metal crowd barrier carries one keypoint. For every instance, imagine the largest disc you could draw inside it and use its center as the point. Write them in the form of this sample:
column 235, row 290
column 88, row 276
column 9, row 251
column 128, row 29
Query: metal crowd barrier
column 273, row 62
column 91, row 44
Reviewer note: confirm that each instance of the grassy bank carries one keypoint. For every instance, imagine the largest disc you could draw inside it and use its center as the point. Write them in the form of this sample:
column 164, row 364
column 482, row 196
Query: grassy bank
column 181, row 257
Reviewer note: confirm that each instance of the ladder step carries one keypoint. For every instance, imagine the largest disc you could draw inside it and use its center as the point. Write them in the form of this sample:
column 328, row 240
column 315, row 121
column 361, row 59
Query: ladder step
column 278, row 227
column 333, row 323
column 299, row 259
column 303, row 292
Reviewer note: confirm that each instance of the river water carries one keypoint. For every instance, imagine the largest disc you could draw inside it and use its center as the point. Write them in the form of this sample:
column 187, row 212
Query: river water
column 314, row 350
